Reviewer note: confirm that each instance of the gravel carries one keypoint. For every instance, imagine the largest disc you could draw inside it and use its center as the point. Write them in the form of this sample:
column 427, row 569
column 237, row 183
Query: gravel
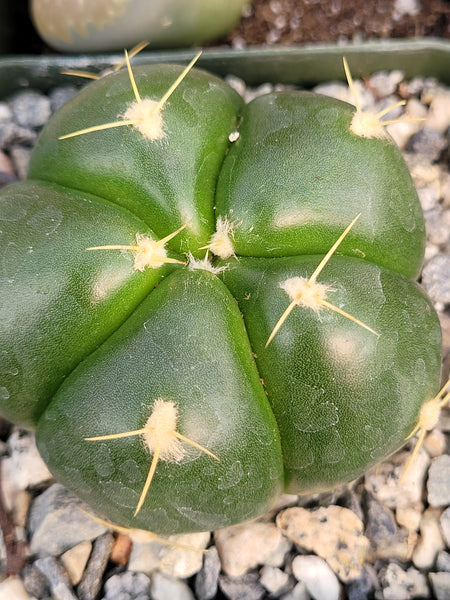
column 370, row 539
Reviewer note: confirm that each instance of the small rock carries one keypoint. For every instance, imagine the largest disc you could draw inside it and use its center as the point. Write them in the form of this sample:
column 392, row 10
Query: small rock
column 244, row 547
column 5, row 112
column 437, row 224
column 60, row 95
column 443, row 561
column 334, row 533
column 428, row 198
column 6, row 164
column 92, row 578
column 363, row 587
column 438, row 485
column 120, row 554
column 398, row 584
column 321, row 582
column 383, row 481
column 12, row 588
column 173, row 561
column 445, row 525
column 75, row 559
column 402, row 131
column 439, row 112
column 10, row 133
column 56, row 524
column 440, row 582
column 35, row 582
column 207, row 579
column 127, row 586
column 21, row 158
column 274, row 580
column 429, row 143
column 380, row 526
column 409, row 516
column 165, row 588
column 57, row 578
column 436, row 278
column 435, row 443
column 385, row 83
column 23, row 468
column 30, row 109
column 299, row 592
column 246, row 587
column 430, row 541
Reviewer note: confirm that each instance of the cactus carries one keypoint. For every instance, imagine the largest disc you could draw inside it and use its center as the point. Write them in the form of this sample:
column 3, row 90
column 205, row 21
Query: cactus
column 208, row 303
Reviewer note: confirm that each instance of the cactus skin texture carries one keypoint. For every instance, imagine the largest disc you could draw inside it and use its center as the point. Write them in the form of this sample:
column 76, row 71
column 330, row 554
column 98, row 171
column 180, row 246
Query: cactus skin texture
column 216, row 422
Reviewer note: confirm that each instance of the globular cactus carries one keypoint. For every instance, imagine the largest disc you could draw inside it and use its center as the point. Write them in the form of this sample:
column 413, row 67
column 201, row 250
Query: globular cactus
column 207, row 303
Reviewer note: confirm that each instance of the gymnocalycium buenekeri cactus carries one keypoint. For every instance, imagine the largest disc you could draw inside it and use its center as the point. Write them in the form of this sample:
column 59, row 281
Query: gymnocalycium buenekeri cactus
column 207, row 303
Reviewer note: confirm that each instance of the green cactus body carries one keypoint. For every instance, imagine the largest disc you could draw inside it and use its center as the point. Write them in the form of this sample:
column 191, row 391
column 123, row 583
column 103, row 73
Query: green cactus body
column 156, row 395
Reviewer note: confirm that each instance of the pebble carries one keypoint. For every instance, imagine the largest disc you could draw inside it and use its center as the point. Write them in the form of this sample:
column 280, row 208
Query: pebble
column 381, row 527
column 445, row 525
column 170, row 560
column 439, row 112
column 443, row 561
column 57, row 578
column 299, row 592
column 166, row 588
column 398, row 584
column 127, row 586
column 320, row 581
column 10, row 134
column 92, row 579
column 30, row 109
column 75, row 560
column 246, row 587
column 243, row 547
column 60, row 95
column 334, row 533
column 382, row 482
column 58, row 511
column 13, row 588
column 437, row 222
column 207, row 579
column 5, row 112
column 428, row 143
column 436, row 278
column 35, row 582
column 440, row 582
column 409, row 516
column 21, row 157
column 120, row 554
column 275, row 581
column 363, row 587
column 430, row 542
column 438, row 485
column 23, row 468
column 385, row 83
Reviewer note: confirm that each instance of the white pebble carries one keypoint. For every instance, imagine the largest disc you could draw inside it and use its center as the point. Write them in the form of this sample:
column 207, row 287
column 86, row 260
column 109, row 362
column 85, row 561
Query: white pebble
column 320, row 580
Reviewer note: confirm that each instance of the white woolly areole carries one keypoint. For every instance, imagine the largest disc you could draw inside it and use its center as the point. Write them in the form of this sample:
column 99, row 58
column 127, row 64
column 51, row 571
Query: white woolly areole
column 150, row 253
column 306, row 293
column 429, row 415
column 368, row 125
column 146, row 118
column 204, row 264
column 221, row 241
column 161, row 426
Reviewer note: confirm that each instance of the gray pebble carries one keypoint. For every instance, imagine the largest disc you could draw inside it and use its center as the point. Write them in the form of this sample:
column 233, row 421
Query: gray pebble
column 385, row 83
column 207, row 579
column 34, row 581
column 30, row 109
column 92, row 579
column 429, row 143
column 56, row 523
column 128, row 585
column 246, row 587
column 57, row 578
column 440, row 582
column 166, row 588
column 363, row 587
column 436, row 278
column 10, row 133
column 438, row 484
column 380, row 525
column 60, row 95
column 443, row 561
column 399, row 584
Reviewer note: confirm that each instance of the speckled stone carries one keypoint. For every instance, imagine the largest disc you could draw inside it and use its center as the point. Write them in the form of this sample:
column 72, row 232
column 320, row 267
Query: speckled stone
column 438, row 484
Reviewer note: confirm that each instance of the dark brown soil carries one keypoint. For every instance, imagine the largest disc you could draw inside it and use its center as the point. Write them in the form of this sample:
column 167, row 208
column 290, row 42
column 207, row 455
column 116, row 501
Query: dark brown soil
column 308, row 21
